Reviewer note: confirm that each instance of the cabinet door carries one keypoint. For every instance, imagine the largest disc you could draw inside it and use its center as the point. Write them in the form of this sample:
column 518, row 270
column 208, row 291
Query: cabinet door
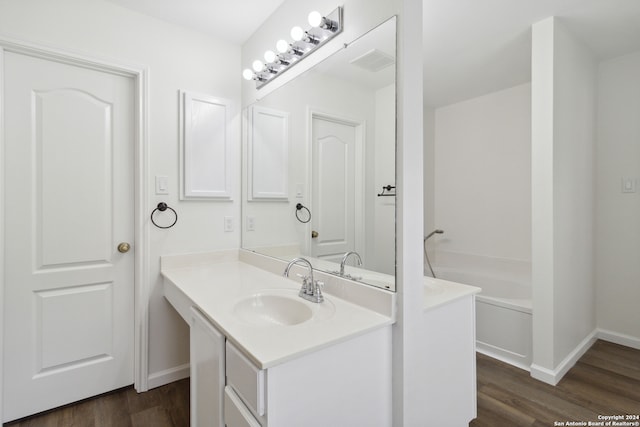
column 207, row 373
column 235, row 413
column 246, row 379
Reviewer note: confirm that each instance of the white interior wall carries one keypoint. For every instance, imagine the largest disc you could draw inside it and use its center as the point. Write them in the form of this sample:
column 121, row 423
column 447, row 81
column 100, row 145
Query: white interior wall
column 482, row 178
column 563, row 140
column 176, row 58
column 617, row 213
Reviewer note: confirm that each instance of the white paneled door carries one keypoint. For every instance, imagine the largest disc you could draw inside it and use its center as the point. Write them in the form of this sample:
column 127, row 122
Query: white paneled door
column 336, row 169
column 69, row 282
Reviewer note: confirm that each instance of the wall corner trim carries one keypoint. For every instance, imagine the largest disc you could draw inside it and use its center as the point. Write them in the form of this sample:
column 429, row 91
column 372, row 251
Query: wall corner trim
column 554, row 376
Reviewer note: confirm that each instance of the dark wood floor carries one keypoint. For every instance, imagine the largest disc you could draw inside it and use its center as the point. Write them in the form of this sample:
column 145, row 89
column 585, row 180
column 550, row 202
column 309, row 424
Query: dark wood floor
column 605, row 381
column 166, row 406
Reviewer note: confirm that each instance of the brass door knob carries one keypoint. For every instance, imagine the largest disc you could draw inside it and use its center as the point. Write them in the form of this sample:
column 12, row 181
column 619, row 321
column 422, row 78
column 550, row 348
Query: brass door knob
column 124, row 247
column 314, row 234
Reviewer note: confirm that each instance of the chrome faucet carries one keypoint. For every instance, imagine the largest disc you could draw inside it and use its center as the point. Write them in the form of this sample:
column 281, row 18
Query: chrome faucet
column 344, row 260
column 311, row 289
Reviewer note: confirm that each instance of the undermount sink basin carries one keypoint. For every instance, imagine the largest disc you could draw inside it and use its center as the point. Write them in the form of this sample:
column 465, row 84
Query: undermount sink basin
column 280, row 307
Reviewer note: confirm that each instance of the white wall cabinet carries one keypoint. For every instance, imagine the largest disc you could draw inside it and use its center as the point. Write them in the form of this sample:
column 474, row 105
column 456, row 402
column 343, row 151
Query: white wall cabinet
column 205, row 149
column 207, row 372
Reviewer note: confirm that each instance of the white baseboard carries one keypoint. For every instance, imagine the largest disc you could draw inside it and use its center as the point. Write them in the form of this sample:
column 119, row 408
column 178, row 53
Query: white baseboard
column 518, row 360
column 167, row 376
column 543, row 374
column 617, row 338
column 554, row 376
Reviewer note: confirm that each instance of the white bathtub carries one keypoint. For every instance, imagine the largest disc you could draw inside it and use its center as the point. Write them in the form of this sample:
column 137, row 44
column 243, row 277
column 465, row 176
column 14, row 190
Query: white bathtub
column 503, row 315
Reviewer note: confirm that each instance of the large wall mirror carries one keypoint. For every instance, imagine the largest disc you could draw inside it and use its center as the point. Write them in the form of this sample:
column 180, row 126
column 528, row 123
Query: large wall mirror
column 319, row 161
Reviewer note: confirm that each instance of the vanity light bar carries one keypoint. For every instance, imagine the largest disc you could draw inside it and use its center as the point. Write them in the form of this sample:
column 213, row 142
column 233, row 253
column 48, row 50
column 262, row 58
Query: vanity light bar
column 323, row 29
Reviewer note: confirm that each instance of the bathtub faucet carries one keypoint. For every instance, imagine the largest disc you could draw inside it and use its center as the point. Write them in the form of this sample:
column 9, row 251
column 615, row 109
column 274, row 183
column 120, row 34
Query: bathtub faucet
column 424, row 246
column 436, row 231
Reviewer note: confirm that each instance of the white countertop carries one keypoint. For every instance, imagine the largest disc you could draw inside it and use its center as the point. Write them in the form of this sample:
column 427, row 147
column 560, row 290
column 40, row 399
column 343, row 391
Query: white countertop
column 438, row 292
column 215, row 289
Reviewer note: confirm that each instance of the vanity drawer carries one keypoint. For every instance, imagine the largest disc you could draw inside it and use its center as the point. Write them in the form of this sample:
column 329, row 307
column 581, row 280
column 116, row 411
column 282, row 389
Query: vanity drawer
column 235, row 413
column 246, row 379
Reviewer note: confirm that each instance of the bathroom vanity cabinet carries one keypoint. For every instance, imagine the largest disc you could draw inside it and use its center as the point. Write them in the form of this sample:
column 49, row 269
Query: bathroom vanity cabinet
column 345, row 384
column 332, row 370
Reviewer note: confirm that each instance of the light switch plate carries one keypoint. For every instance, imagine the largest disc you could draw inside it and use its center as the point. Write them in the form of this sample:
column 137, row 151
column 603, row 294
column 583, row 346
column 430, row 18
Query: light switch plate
column 162, row 184
column 628, row 185
column 228, row 224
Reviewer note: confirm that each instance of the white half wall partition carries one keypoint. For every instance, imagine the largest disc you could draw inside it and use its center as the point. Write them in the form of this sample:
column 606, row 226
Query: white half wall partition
column 563, row 145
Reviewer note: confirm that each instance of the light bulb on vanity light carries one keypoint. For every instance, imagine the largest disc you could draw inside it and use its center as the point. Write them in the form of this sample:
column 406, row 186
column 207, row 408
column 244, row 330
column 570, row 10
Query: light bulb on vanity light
column 247, row 74
column 290, row 50
column 258, row 66
column 269, row 56
column 297, row 33
column 315, row 19
column 282, row 46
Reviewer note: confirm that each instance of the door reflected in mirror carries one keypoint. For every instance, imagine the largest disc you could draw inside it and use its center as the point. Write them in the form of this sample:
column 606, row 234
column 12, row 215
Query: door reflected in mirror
column 317, row 153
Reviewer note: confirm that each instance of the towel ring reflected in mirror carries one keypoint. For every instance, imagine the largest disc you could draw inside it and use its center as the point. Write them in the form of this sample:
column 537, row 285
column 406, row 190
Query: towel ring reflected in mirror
column 300, row 211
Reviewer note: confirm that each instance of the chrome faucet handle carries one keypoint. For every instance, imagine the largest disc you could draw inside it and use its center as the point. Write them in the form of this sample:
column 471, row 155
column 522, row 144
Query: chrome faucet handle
column 317, row 291
column 309, row 287
column 306, row 286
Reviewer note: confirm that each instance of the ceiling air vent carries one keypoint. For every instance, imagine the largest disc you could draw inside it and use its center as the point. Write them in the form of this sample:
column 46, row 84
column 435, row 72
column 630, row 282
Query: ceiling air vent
column 374, row 60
